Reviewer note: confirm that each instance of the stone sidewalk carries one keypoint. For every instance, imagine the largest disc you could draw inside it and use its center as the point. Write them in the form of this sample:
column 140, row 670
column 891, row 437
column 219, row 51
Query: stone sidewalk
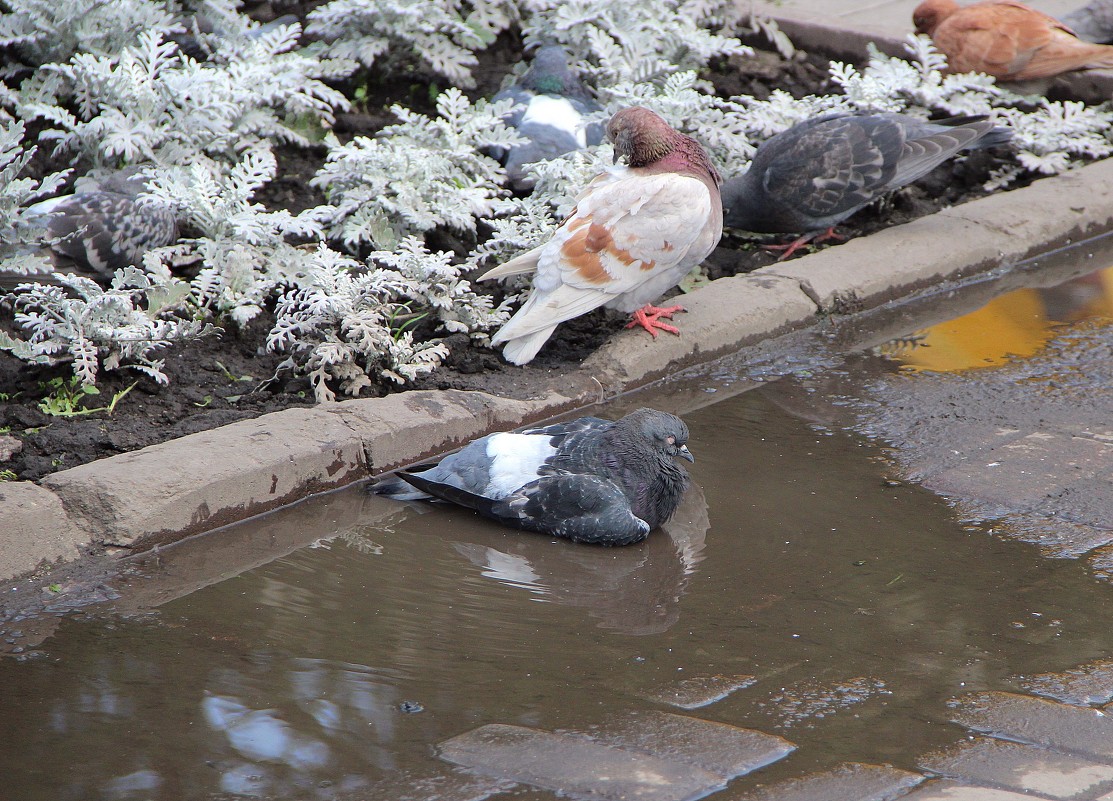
column 1054, row 743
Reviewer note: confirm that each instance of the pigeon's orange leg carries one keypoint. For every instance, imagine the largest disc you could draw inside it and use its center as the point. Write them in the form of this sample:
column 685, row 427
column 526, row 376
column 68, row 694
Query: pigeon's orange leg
column 806, row 239
column 648, row 318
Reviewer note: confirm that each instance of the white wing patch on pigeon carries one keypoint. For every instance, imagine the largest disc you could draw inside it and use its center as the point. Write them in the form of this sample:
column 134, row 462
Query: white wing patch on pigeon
column 515, row 461
column 556, row 112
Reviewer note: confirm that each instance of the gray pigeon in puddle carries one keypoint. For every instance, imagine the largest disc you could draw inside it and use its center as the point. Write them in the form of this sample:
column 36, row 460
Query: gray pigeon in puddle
column 552, row 105
column 587, row 480
column 103, row 226
column 810, row 178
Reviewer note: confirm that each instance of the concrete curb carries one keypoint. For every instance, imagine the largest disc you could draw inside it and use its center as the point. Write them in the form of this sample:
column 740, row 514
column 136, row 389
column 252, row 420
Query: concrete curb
column 200, row 482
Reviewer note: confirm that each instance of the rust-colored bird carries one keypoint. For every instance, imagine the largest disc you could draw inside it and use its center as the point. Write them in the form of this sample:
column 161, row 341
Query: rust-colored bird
column 1007, row 40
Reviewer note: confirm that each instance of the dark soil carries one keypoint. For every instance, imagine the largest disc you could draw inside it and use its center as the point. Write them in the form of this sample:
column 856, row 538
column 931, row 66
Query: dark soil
column 222, row 380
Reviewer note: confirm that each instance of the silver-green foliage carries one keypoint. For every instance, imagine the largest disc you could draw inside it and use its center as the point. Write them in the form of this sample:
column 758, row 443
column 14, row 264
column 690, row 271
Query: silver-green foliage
column 152, row 102
column 97, row 328
column 345, row 326
column 418, row 174
column 443, row 35
column 22, row 231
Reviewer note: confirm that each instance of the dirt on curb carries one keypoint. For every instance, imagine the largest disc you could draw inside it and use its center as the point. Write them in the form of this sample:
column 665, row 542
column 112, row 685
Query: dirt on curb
column 224, row 379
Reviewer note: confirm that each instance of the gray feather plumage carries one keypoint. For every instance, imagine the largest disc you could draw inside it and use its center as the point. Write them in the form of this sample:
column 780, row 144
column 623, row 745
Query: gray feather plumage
column 819, row 172
column 588, row 480
column 560, row 128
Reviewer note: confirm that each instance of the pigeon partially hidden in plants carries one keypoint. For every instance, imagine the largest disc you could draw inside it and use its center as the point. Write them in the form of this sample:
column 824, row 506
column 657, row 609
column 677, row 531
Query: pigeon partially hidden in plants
column 104, row 225
column 633, row 235
column 551, row 111
column 1006, row 39
column 588, row 480
column 810, row 178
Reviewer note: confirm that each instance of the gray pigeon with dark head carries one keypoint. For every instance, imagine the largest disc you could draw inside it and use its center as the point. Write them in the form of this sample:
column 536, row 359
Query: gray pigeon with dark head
column 103, row 225
column 552, row 105
column 587, row 480
column 810, row 178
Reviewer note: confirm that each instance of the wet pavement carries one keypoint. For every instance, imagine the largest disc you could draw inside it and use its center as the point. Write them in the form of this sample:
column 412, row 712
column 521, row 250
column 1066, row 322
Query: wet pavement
column 813, row 623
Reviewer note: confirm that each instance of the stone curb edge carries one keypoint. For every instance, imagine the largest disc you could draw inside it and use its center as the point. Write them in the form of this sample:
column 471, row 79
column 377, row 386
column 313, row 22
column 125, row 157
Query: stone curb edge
column 200, row 482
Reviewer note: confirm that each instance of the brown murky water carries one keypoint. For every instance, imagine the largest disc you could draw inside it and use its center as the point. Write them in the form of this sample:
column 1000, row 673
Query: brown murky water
column 323, row 649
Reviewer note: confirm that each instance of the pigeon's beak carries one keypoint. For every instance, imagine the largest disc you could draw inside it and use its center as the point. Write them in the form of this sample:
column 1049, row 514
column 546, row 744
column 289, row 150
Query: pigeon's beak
column 684, row 453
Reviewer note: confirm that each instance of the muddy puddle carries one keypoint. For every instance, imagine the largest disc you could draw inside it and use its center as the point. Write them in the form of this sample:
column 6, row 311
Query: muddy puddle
column 805, row 589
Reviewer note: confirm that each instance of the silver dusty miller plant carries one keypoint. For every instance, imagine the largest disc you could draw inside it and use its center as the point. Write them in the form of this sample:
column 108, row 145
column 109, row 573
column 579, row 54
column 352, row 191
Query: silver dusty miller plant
column 345, row 327
column 245, row 251
column 154, row 103
column 22, row 230
column 441, row 35
column 97, row 328
column 618, row 40
column 418, row 174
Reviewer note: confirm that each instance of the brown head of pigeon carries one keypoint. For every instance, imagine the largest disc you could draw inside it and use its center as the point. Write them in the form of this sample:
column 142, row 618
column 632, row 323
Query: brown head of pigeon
column 587, row 480
column 634, row 233
column 104, row 225
column 551, row 111
column 811, row 177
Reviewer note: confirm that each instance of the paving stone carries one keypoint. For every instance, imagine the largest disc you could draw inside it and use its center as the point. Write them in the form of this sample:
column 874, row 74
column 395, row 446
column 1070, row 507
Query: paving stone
column 947, row 790
column 576, row 767
column 700, row 690
column 447, row 784
column 1055, row 537
column 1024, row 471
column 1091, row 683
column 851, row 781
column 1028, row 719
column 1024, row 768
column 717, row 747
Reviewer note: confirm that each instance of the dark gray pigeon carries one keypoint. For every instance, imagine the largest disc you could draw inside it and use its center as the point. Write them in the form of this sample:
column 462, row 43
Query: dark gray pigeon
column 551, row 107
column 587, row 480
column 104, row 226
column 810, row 178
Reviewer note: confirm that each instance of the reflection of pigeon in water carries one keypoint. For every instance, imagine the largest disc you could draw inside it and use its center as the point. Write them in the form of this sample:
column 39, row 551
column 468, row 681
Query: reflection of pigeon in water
column 589, row 480
column 810, row 178
column 104, row 225
column 552, row 105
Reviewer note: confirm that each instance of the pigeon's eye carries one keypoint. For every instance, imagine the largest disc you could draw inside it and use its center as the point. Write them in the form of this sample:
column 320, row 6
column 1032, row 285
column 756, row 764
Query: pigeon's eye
column 670, row 440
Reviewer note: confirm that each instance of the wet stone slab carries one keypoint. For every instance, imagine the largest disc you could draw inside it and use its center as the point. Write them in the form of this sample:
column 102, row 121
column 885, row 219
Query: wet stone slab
column 720, row 748
column 850, row 781
column 1023, row 768
column 1037, row 721
column 1091, row 683
column 576, row 767
column 700, row 691
column 947, row 790
column 1024, row 471
column 449, row 784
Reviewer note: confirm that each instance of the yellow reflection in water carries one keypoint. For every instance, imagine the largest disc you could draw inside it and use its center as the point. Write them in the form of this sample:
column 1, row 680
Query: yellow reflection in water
column 1011, row 326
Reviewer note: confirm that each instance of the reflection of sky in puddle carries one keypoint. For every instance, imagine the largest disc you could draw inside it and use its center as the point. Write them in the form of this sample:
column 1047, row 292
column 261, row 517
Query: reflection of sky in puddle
column 1015, row 325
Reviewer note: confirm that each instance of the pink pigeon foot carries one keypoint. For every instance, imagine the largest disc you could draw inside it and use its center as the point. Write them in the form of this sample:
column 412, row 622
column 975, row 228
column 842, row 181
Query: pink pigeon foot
column 814, row 239
column 647, row 317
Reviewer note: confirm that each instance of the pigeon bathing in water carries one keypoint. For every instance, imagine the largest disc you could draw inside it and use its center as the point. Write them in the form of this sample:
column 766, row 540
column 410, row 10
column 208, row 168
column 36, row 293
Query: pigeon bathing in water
column 587, row 480
column 104, row 226
column 633, row 235
column 1007, row 40
column 552, row 104
column 810, row 178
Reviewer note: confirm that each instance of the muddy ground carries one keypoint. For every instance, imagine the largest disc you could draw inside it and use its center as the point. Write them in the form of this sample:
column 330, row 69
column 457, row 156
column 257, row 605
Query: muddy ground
column 221, row 380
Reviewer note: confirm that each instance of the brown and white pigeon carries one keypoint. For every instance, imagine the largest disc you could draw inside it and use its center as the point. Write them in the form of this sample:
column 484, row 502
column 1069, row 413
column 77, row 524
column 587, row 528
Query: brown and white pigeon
column 551, row 113
column 810, row 178
column 1006, row 39
column 104, row 225
column 588, row 480
column 633, row 235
